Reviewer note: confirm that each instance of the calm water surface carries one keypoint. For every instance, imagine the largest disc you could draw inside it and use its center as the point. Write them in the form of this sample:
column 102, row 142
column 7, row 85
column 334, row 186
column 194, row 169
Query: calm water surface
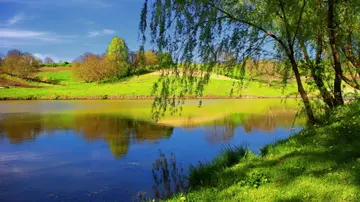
column 105, row 150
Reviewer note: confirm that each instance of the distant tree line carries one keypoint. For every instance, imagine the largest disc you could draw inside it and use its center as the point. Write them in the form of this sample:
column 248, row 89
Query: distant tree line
column 49, row 62
column 118, row 62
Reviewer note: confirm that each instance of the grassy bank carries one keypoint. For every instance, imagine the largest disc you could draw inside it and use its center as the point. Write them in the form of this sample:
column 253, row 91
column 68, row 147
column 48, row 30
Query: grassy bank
column 320, row 163
column 67, row 87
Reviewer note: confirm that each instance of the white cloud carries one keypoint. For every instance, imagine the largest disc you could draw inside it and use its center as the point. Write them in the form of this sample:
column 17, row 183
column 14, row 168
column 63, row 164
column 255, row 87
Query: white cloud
column 12, row 33
column 14, row 20
column 28, row 34
column 101, row 33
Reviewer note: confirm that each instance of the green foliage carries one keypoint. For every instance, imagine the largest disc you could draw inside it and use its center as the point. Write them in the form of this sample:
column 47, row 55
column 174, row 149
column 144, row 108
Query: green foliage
column 118, row 53
column 254, row 179
column 118, row 49
column 228, row 35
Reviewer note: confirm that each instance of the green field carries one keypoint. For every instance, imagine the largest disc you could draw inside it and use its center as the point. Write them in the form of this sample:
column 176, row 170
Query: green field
column 68, row 88
column 321, row 163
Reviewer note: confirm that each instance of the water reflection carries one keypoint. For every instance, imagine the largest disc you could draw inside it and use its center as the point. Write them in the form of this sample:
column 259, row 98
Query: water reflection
column 64, row 153
column 120, row 132
column 224, row 129
column 115, row 130
column 168, row 176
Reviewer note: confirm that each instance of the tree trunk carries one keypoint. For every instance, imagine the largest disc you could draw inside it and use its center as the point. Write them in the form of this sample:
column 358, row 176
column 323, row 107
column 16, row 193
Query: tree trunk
column 302, row 91
column 337, row 65
column 325, row 94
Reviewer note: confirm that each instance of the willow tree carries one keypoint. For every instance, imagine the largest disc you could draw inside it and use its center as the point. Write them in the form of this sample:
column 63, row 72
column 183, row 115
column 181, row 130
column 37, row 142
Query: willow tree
column 199, row 31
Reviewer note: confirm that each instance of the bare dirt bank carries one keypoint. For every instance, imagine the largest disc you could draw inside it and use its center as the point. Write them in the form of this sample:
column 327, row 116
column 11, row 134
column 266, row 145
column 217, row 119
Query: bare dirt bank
column 119, row 97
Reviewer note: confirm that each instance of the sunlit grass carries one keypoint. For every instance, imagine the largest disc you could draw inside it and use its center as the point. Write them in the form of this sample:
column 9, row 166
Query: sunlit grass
column 70, row 87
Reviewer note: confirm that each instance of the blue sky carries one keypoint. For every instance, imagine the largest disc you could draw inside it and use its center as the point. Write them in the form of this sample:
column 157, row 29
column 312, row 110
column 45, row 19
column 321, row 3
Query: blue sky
column 65, row 29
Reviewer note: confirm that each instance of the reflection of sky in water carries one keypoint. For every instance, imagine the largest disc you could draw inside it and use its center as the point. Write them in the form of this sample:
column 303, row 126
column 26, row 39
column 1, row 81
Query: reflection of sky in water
column 66, row 165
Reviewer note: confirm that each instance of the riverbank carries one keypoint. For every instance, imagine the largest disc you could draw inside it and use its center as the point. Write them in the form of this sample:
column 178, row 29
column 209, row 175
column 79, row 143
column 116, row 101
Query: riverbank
column 321, row 163
column 143, row 97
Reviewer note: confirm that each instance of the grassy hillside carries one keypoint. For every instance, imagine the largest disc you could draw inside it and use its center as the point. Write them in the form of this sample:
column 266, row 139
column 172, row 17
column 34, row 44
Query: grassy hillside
column 320, row 163
column 65, row 86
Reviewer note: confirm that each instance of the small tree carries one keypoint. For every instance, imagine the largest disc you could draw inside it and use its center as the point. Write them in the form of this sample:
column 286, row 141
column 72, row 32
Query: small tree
column 20, row 64
column 48, row 60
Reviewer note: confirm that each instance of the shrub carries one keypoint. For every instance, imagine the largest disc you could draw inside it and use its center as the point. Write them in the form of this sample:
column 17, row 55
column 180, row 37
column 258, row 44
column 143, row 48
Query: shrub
column 95, row 68
column 20, row 64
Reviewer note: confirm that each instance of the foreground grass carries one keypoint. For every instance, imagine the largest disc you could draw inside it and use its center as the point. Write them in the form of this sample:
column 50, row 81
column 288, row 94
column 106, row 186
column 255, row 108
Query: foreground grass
column 69, row 87
column 320, row 163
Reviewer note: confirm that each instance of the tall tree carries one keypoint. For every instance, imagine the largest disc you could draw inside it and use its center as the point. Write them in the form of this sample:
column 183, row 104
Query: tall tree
column 335, row 53
column 118, row 52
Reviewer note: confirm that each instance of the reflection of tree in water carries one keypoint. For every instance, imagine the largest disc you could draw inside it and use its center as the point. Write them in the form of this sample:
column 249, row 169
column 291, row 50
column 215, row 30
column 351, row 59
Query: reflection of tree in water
column 224, row 129
column 270, row 121
column 168, row 176
column 117, row 131
column 221, row 131
column 24, row 127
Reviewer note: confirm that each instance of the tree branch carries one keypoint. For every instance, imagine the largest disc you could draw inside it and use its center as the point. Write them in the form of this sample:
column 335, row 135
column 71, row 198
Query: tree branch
column 351, row 83
column 299, row 21
column 268, row 33
column 286, row 24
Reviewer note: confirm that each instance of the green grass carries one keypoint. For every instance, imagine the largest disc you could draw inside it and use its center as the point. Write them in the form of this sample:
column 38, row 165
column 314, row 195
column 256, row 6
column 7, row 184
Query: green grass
column 134, row 86
column 320, row 163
